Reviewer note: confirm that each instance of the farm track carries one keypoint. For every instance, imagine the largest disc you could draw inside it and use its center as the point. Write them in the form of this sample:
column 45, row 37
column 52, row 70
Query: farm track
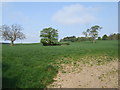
column 87, row 76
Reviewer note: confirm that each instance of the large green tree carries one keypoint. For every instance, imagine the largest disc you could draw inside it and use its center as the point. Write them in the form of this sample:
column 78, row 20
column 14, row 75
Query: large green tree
column 49, row 36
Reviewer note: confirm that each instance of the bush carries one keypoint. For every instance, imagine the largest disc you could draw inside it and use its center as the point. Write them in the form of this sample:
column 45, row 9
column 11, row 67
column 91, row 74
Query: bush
column 46, row 42
column 51, row 44
column 56, row 44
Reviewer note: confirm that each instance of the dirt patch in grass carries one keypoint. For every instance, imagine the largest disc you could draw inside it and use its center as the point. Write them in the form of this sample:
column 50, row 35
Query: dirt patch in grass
column 87, row 75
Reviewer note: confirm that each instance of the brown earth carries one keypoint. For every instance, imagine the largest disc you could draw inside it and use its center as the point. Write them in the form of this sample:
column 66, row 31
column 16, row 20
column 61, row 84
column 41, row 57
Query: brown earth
column 87, row 76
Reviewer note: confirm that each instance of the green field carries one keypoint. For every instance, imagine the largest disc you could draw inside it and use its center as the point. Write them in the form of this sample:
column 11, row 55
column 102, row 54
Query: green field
column 30, row 65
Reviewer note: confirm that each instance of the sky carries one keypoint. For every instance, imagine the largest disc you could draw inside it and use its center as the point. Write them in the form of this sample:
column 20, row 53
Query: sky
column 69, row 18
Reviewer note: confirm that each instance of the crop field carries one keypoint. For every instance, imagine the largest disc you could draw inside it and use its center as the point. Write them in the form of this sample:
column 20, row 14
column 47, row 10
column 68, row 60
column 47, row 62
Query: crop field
column 35, row 65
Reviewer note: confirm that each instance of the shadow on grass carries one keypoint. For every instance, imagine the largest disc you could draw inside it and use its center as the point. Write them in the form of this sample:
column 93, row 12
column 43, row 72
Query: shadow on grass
column 9, row 82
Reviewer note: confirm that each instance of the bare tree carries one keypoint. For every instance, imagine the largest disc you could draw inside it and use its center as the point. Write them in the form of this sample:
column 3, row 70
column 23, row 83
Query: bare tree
column 12, row 33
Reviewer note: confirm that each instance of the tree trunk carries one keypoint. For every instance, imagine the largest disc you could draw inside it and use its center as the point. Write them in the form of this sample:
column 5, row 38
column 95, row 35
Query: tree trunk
column 94, row 41
column 12, row 43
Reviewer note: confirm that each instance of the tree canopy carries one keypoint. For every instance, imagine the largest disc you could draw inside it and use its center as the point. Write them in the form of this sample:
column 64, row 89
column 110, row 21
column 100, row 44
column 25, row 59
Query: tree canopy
column 92, row 32
column 49, row 36
column 105, row 37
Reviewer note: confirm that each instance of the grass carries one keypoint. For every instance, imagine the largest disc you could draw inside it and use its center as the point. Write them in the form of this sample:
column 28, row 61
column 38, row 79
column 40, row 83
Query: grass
column 30, row 65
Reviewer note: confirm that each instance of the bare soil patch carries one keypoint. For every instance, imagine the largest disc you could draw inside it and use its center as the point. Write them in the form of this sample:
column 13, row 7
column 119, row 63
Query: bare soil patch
column 82, row 75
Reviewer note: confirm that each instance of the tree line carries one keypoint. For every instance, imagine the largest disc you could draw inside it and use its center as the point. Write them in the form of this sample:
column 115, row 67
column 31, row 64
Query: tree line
column 115, row 36
column 49, row 36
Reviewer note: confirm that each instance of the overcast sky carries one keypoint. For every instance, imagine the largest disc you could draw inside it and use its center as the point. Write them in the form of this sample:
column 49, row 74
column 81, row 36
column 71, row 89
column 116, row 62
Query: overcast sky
column 68, row 18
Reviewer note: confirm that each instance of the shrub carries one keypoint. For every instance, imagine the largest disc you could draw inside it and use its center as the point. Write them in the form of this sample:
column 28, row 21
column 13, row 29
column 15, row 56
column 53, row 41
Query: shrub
column 45, row 42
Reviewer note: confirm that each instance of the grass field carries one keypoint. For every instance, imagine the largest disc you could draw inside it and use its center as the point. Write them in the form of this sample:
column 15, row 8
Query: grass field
column 30, row 65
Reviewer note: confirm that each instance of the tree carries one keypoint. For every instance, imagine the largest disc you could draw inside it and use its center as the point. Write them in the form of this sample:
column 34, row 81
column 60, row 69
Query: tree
column 49, row 36
column 12, row 32
column 86, row 33
column 99, row 38
column 114, row 36
column 94, row 32
column 118, row 36
column 105, row 37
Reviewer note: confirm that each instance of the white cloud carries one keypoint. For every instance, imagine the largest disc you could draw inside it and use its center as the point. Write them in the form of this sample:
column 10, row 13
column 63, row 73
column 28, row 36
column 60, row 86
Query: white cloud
column 75, row 14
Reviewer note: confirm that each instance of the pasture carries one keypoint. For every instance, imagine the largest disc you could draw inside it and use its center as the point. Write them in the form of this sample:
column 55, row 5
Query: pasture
column 35, row 65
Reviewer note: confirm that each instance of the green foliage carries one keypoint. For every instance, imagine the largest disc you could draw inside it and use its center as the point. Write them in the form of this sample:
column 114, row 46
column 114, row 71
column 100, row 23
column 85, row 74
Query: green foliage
column 86, row 33
column 31, row 65
column 99, row 38
column 105, row 37
column 49, row 36
column 71, row 39
column 114, row 36
column 74, row 39
column 92, row 32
